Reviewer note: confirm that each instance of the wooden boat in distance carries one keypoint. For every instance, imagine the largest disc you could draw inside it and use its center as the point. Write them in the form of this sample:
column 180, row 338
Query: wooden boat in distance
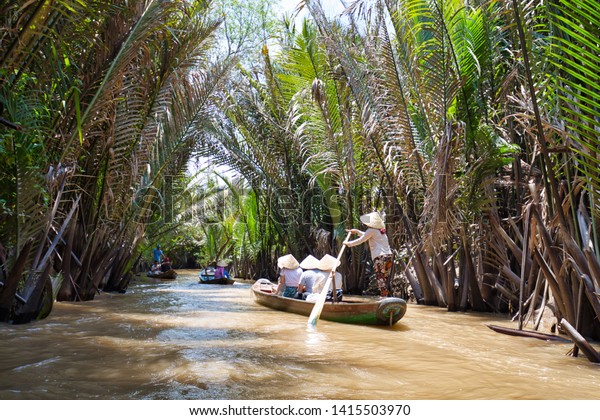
column 165, row 275
column 352, row 310
column 207, row 276
column 224, row 280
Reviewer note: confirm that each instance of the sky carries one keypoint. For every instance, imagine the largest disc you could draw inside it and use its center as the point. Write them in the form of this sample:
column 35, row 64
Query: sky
column 330, row 6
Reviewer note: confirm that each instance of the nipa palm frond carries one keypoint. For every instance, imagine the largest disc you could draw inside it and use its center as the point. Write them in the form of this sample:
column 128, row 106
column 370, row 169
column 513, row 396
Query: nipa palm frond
column 149, row 22
column 402, row 146
column 575, row 54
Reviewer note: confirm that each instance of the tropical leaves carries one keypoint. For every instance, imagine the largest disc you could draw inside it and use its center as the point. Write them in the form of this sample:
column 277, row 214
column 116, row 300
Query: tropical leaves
column 412, row 108
column 118, row 98
column 575, row 54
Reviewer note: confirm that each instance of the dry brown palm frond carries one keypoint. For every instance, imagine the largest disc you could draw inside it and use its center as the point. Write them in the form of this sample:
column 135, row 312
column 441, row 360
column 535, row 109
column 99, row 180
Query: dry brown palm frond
column 440, row 217
column 402, row 154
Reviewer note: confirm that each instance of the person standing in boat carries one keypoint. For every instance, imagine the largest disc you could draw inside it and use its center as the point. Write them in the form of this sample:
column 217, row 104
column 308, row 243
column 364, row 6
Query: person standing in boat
column 379, row 245
column 157, row 254
column 289, row 275
column 309, row 277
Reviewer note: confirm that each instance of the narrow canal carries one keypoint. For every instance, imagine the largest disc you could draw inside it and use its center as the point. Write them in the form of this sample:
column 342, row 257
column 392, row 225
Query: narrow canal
column 184, row 340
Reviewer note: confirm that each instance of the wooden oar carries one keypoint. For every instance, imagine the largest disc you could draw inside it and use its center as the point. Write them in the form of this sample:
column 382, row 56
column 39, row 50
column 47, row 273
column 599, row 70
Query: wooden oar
column 316, row 312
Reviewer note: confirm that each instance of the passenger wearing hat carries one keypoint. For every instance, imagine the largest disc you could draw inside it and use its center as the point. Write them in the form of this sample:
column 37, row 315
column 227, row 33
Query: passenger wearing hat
column 381, row 253
column 309, row 277
column 289, row 275
column 220, row 270
column 327, row 264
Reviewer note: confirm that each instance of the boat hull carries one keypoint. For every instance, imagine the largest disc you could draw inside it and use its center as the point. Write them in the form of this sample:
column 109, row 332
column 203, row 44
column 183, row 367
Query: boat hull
column 167, row 275
column 208, row 280
column 352, row 310
column 207, row 276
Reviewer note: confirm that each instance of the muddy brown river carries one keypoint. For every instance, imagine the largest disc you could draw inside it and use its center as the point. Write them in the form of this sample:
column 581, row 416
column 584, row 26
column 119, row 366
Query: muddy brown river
column 183, row 340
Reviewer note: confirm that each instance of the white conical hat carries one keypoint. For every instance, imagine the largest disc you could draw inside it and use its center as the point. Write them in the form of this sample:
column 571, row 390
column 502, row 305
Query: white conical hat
column 288, row 261
column 373, row 220
column 222, row 263
column 309, row 263
column 328, row 262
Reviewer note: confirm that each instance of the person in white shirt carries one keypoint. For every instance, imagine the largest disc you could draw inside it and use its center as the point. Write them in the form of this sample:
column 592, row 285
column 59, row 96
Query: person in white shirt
column 379, row 245
column 289, row 275
column 326, row 265
column 309, row 277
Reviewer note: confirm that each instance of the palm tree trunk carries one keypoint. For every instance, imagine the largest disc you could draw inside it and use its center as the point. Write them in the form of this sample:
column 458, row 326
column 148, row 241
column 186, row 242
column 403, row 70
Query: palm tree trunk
column 8, row 290
column 471, row 282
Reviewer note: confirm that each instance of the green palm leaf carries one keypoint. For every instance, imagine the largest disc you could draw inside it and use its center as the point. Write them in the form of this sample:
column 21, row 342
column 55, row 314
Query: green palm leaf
column 575, row 54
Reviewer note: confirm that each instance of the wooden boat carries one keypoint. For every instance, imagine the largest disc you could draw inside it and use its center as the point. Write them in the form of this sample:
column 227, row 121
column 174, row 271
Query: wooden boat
column 207, row 276
column 526, row 333
column 166, row 275
column 352, row 310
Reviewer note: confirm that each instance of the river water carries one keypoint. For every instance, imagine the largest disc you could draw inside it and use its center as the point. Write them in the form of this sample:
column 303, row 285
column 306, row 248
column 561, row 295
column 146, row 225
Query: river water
column 183, row 340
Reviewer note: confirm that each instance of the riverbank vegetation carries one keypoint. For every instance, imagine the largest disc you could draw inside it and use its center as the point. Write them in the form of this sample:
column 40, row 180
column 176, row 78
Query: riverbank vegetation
column 472, row 125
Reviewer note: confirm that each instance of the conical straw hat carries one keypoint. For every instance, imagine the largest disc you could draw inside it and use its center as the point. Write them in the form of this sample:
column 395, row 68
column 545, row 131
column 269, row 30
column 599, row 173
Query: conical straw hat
column 288, row 261
column 309, row 263
column 373, row 220
column 328, row 262
column 222, row 263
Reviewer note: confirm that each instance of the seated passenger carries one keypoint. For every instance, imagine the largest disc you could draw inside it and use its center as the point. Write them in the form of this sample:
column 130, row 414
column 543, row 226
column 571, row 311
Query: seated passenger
column 289, row 276
column 155, row 269
column 166, row 265
column 308, row 278
column 327, row 264
column 220, row 270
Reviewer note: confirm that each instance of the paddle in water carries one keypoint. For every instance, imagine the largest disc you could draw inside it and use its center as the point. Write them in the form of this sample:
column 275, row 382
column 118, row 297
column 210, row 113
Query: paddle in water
column 316, row 312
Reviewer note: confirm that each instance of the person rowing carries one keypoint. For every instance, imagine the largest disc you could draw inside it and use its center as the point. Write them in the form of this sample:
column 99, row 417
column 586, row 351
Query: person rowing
column 157, row 254
column 379, row 245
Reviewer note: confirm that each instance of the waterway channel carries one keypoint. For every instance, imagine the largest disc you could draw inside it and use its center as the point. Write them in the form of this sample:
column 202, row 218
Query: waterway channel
column 184, row 340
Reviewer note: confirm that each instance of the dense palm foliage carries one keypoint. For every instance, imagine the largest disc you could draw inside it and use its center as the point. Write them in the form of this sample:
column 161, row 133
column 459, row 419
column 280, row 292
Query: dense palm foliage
column 472, row 125
column 503, row 121
column 104, row 96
